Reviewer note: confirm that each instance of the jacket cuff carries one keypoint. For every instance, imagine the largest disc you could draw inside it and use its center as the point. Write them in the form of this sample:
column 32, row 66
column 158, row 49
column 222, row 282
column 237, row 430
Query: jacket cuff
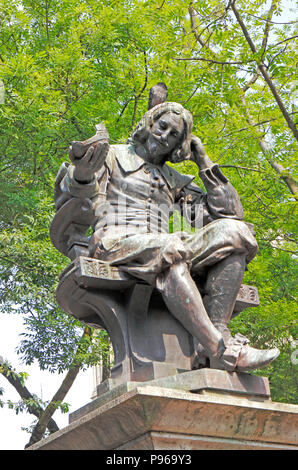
column 77, row 189
column 212, row 176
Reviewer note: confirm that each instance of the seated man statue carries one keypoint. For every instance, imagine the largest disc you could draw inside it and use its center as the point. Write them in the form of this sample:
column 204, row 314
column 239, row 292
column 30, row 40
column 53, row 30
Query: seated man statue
column 133, row 190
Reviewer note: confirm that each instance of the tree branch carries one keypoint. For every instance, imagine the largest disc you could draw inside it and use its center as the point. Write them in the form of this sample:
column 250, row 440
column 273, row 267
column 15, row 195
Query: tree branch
column 211, row 60
column 267, row 26
column 281, row 42
column 251, row 82
column 24, row 393
column 240, row 168
column 194, row 26
column 282, row 173
column 270, row 21
column 280, row 170
column 137, row 97
column 160, row 7
column 256, row 124
column 265, row 74
column 59, row 396
column 124, row 108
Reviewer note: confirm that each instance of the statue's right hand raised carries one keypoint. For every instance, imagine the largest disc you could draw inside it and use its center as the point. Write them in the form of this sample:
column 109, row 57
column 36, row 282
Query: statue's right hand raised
column 88, row 156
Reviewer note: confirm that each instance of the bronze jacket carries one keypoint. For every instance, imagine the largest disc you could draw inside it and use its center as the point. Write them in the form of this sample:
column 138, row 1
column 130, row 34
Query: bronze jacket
column 130, row 195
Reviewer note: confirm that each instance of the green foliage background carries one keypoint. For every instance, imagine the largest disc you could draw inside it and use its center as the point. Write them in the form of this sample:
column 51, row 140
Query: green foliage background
column 67, row 65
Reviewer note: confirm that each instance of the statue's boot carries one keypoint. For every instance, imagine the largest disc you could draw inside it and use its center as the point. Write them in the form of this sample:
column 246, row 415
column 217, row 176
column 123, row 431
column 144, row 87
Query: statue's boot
column 184, row 301
column 240, row 357
column 221, row 289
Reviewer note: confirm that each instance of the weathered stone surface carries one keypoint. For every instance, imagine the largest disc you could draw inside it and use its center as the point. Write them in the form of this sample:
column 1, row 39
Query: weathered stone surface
column 217, row 381
column 171, row 441
column 208, row 381
column 159, row 418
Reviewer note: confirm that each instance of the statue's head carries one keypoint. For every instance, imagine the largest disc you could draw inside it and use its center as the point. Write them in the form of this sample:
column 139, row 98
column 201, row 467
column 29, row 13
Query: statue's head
column 165, row 133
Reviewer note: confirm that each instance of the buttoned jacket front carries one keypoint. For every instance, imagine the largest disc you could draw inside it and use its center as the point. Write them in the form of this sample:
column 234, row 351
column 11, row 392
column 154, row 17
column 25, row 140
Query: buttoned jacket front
column 130, row 195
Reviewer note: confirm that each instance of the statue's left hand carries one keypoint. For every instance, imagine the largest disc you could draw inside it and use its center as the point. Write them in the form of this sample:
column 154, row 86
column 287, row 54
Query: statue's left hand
column 90, row 162
column 198, row 153
column 89, row 156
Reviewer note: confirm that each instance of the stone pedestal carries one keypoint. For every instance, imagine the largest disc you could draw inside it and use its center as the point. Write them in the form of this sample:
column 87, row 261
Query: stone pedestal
column 204, row 409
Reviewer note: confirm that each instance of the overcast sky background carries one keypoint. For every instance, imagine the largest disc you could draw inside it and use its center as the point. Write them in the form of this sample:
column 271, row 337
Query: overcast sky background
column 45, row 384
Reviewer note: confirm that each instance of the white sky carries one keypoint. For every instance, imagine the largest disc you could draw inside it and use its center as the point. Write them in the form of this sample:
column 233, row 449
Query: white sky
column 45, row 384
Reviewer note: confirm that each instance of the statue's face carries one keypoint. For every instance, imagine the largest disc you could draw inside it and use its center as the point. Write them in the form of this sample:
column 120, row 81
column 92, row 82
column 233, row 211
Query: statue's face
column 165, row 135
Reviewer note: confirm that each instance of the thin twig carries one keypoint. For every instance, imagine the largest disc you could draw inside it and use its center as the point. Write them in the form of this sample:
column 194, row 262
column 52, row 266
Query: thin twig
column 212, row 60
column 281, row 42
column 124, row 108
column 267, row 26
column 137, row 97
column 240, row 168
column 283, row 249
column 270, row 21
column 160, row 7
column 251, row 82
column 256, row 124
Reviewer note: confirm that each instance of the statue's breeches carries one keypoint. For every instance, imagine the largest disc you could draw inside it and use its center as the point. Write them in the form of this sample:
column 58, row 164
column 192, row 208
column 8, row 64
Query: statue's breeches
column 146, row 255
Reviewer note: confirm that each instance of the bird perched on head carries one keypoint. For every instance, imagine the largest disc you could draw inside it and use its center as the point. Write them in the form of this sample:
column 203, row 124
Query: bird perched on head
column 158, row 94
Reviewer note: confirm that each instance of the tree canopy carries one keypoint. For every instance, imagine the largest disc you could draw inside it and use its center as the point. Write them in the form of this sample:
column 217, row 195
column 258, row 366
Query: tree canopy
column 67, row 65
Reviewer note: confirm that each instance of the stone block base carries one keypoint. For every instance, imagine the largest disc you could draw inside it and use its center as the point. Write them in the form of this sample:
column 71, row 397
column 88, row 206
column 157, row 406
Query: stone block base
column 172, row 441
column 150, row 417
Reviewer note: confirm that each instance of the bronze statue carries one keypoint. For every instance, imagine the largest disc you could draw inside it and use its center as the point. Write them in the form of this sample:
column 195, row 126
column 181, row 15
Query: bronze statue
column 131, row 192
